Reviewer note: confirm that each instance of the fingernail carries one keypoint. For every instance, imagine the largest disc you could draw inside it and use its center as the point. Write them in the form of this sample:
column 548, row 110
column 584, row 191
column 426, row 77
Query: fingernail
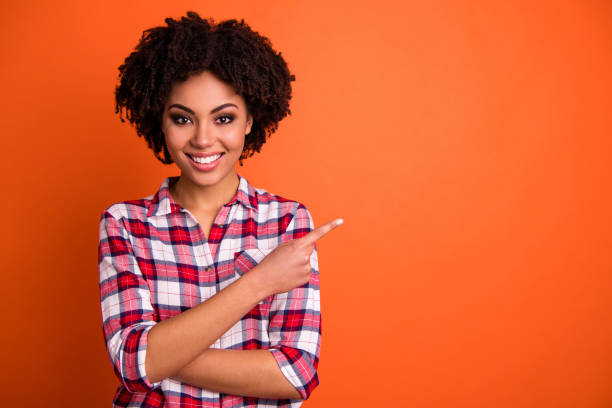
column 339, row 221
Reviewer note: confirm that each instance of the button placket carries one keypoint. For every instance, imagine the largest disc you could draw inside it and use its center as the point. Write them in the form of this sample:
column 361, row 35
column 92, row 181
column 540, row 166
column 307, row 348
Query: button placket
column 203, row 258
column 220, row 226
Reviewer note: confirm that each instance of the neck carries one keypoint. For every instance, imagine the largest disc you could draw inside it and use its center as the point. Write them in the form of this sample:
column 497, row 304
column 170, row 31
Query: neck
column 205, row 198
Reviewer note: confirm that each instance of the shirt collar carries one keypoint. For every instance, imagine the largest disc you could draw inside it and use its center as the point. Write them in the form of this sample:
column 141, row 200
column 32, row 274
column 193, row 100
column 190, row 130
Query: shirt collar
column 162, row 202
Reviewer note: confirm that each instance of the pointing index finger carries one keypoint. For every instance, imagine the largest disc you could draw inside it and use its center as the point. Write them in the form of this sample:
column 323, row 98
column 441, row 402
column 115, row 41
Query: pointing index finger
column 317, row 233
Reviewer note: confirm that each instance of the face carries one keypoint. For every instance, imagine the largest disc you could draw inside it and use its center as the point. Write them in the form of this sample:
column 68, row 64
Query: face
column 204, row 123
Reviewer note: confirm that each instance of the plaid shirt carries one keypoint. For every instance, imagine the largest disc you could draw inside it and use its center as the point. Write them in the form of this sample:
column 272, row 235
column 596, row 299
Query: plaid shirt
column 155, row 262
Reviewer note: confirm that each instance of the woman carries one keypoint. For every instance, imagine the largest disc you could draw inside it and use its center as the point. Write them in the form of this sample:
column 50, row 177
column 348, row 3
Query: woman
column 209, row 287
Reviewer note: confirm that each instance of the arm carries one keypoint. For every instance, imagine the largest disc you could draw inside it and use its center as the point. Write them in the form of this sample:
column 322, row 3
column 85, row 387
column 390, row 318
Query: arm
column 127, row 313
column 177, row 341
column 288, row 369
column 295, row 318
column 142, row 351
column 127, row 309
column 252, row 373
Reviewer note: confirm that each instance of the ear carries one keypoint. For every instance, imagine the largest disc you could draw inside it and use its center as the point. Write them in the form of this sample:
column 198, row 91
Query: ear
column 249, row 124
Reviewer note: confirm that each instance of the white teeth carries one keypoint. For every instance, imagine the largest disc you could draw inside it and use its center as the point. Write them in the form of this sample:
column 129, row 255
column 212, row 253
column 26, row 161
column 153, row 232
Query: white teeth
column 206, row 160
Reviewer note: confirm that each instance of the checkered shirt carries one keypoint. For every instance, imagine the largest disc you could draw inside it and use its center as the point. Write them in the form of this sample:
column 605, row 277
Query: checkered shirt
column 155, row 262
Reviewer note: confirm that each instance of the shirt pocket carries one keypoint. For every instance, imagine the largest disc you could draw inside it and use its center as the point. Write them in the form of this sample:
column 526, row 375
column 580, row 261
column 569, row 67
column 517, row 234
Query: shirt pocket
column 248, row 258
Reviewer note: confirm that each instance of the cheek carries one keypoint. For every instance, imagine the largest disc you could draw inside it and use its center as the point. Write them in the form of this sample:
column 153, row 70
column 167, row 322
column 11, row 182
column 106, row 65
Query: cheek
column 170, row 144
column 236, row 142
column 174, row 145
column 175, row 139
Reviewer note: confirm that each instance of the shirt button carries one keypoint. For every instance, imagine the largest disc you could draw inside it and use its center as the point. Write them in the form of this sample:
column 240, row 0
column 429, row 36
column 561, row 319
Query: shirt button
column 208, row 269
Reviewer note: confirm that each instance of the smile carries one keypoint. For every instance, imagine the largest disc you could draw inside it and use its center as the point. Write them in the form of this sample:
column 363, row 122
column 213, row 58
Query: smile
column 205, row 160
column 205, row 163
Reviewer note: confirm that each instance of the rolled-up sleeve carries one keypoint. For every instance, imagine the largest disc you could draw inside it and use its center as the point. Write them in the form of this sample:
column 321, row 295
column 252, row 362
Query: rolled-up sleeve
column 127, row 313
column 295, row 318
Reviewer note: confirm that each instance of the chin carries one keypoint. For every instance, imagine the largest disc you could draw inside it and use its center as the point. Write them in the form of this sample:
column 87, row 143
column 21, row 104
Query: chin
column 206, row 179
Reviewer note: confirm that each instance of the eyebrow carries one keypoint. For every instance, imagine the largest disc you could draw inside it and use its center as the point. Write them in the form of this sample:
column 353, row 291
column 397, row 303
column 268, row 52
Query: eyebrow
column 218, row 108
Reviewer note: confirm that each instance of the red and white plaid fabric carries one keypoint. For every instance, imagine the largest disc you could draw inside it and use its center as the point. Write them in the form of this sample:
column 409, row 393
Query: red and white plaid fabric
column 155, row 262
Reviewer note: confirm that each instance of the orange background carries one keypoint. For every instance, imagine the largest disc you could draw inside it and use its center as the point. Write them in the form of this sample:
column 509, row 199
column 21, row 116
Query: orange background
column 466, row 145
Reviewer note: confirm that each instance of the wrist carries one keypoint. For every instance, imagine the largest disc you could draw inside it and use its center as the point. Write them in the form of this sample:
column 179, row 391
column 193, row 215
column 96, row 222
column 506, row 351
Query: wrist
column 256, row 283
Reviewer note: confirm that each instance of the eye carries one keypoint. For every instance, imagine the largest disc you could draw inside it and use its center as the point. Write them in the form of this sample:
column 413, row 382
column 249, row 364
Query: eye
column 180, row 119
column 225, row 119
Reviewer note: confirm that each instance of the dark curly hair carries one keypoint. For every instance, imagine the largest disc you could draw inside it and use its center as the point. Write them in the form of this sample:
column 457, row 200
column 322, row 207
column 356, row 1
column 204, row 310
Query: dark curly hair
column 231, row 50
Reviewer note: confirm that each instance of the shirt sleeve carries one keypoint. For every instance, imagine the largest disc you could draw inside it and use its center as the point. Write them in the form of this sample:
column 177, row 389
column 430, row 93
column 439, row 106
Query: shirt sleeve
column 127, row 313
column 295, row 319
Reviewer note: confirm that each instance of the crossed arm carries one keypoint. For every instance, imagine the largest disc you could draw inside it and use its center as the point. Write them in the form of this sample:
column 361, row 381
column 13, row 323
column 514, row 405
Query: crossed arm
column 252, row 373
column 175, row 348
column 145, row 352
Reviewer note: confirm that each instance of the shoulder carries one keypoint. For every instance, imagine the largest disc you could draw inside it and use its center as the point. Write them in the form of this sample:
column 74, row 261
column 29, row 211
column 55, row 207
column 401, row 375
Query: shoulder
column 128, row 210
column 274, row 206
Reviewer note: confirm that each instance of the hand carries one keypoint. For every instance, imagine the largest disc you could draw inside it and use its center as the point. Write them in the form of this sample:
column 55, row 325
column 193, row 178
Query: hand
column 288, row 265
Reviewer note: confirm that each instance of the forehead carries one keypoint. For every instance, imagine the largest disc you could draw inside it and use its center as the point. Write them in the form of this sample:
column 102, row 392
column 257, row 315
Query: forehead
column 203, row 90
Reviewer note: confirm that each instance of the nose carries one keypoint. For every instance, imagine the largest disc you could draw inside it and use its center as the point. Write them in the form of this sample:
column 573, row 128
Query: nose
column 203, row 136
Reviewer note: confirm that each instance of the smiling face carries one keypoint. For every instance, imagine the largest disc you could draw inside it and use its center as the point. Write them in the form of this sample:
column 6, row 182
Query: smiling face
column 204, row 123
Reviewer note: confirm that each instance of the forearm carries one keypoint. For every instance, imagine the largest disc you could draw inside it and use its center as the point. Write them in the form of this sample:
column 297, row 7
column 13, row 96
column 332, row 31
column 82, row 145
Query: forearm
column 175, row 342
column 250, row 373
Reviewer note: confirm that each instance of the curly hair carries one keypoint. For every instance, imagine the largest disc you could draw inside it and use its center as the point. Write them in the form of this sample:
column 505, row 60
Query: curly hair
column 230, row 50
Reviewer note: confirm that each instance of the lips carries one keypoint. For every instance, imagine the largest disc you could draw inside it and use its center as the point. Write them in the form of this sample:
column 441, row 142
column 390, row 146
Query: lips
column 205, row 162
column 203, row 154
column 204, row 158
